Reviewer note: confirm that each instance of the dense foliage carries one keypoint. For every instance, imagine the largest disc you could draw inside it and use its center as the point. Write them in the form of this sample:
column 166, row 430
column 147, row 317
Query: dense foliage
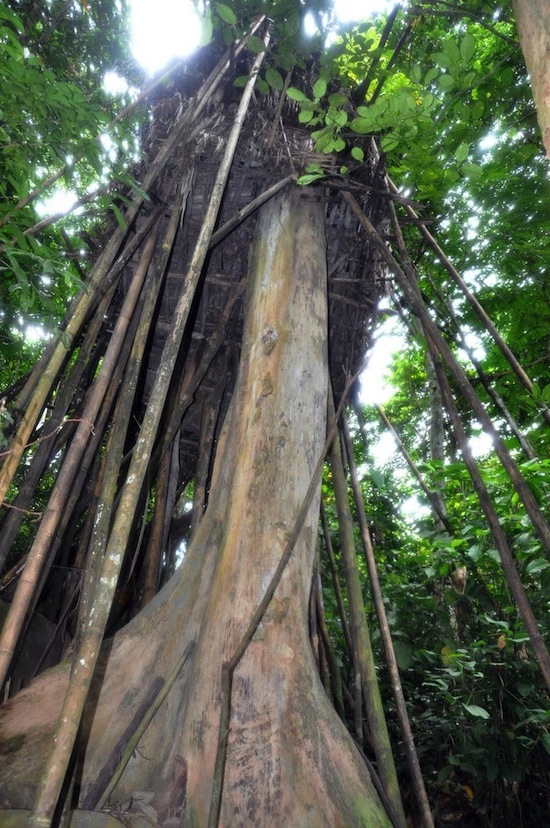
column 444, row 90
column 55, row 130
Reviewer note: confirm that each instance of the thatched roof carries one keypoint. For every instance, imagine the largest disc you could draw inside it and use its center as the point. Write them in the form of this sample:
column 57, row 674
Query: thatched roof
column 272, row 146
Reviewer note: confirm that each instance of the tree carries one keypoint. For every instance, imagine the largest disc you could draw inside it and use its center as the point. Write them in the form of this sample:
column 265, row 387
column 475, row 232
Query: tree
column 534, row 34
column 282, row 382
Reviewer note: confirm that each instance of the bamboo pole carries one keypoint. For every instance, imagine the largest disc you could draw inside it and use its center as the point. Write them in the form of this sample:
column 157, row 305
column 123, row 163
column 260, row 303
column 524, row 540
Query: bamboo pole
column 499, row 536
column 104, row 569
column 83, row 669
column 80, row 308
column 413, row 297
column 53, row 427
column 153, row 554
column 478, row 308
column 460, row 339
column 45, row 377
column 335, row 675
column 360, row 633
column 62, row 487
column 391, row 660
column 113, row 463
column 336, row 581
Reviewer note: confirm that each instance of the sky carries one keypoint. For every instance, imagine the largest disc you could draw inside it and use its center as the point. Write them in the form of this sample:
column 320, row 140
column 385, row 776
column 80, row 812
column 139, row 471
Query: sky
column 169, row 28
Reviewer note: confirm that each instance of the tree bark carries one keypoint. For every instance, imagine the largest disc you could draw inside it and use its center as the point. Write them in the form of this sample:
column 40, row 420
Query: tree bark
column 533, row 23
column 290, row 760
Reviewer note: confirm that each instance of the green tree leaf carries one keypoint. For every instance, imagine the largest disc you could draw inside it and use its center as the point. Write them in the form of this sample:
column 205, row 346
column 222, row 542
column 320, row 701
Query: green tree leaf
column 274, row 79
column 362, row 126
column 319, row 88
column 476, row 710
column 467, row 48
column 226, row 13
column 295, row 94
column 462, row 152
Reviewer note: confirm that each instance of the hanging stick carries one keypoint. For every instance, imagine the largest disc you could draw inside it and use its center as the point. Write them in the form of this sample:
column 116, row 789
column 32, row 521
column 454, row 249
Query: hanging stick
column 103, row 573
column 84, row 666
column 497, row 532
column 360, row 632
column 254, row 205
column 64, row 483
column 336, row 581
column 412, row 295
column 482, row 314
column 498, row 402
column 397, row 687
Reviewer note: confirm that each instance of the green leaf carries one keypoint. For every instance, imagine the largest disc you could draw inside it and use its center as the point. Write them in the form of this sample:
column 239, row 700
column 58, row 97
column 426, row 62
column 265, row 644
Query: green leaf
column 119, row 217
column 226, row 13
column 524, row 689
column 492, row 771
column 472, row 170
column 255, row 44
column 377, row 478
column 262, row 86
column 305, row 116
column 476, row 710
column 403, row 653
column 537, row 565
column 341, row 118
column 545, row 739
column 319, row 88
column 416, row 74
column 446, row 82
column 361, row 126
column 390, row 142
column 16, row 21
column 207, row 29
column 309, row 178
column 431, row 75
column 337, row 99
column 295, row 94
column 462, row 152
column 467, row 48
column 241, row 81
column 274, row 79
column 358, row 154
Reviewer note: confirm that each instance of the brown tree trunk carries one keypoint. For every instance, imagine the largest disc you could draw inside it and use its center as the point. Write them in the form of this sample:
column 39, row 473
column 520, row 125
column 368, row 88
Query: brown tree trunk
column 290, row 760
column 533, row 22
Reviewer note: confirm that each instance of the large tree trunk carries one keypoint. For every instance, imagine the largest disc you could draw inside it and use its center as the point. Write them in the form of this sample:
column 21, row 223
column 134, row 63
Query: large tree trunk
column 290, row 760
column 533, row 22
